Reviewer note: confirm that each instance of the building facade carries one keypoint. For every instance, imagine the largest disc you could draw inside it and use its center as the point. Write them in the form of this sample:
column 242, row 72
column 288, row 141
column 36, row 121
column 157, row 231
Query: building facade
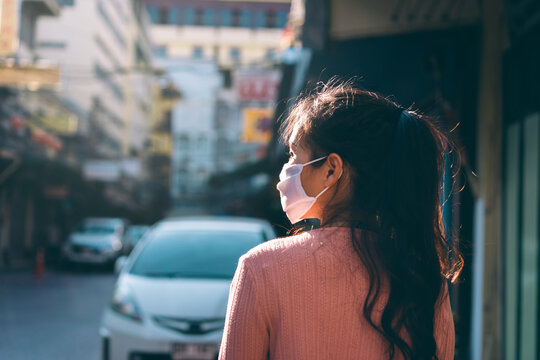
column 103, row 52
column 205, row 46
column 228, row 32
column 193, row 134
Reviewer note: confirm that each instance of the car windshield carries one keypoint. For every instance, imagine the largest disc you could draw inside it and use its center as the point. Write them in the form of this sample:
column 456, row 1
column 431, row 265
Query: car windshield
column 97, row 229
column 194, row 254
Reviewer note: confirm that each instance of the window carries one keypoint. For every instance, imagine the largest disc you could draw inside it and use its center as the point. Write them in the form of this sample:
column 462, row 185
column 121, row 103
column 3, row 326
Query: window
column 107, row 79
column 106, row 50
column 198, row 17
column 260, row 19
column 53, row 44
column 245, row 18
column 198, row 52
column 208, row 17
column 189, row 16
column 160, row 51
column 201, row 176
column 235, row 54
column 236, row 18
column 118, row 36
column 174, row 16
column 163, row 16
column 271, row 53
column 202, row 143
column 282, row 17
column 153, row 12
column 270, row 19
column 182, row 142
column 226, row 17
column 521, row 234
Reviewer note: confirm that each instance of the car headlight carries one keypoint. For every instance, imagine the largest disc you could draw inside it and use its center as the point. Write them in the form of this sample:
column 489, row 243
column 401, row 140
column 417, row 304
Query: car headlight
column 112, row 248
column 123, row 302
column 116, row 245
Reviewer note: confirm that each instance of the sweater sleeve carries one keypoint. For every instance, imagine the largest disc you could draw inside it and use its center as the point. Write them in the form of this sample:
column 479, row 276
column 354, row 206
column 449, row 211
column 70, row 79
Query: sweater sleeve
column 245, row 334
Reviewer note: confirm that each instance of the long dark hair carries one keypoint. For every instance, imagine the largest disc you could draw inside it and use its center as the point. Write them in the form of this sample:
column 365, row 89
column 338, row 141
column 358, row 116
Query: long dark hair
column 395, row 158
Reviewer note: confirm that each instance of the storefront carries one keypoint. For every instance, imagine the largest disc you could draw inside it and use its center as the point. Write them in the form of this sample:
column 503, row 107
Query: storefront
column 521, row 203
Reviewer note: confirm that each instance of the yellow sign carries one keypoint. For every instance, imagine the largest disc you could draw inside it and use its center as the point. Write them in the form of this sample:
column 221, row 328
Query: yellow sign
column 161, row 143
column 258, row 125
column 61, row 124
column 32, row 77
column 9, row 27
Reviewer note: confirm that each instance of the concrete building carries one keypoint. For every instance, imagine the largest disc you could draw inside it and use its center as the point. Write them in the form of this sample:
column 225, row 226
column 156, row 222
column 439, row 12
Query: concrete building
column 229, row 32
column 205, row 45
column 104, row 55
column 192, row 120
column 474, row 64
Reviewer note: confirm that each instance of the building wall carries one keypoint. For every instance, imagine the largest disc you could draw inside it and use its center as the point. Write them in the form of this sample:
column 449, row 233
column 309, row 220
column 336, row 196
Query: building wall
column 230, row 32
column 193, row 130
column 354, row 19
column 139, row 81
column 198, row 38
column 93, row 41
column 520, row 201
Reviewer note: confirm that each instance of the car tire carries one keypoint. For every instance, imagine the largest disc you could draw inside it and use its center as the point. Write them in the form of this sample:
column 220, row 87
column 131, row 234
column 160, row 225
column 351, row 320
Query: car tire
column 105, row 348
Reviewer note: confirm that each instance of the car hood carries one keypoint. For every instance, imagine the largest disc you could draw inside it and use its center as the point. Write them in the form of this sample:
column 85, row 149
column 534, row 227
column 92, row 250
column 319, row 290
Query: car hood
column 92, row 239
column 182, row 298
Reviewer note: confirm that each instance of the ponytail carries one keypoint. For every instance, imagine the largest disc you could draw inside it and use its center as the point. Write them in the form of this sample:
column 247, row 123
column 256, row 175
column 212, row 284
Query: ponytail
column 395, row 158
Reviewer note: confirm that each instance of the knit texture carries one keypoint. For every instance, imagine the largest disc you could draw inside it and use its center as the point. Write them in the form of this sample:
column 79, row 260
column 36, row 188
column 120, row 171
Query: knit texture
column 301, row 298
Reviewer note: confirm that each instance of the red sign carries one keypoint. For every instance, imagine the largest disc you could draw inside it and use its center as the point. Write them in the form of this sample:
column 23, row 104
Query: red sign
column 47, row 140
column 257, row 86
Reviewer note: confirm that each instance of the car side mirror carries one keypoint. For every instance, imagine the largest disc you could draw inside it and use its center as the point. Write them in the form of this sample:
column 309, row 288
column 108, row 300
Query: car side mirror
column 119, row 264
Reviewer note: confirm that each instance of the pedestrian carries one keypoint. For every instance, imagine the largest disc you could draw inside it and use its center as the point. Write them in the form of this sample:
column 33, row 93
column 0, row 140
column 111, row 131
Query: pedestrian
column 371, row 281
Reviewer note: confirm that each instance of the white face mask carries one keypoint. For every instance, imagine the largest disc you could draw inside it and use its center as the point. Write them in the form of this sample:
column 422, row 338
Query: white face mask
column 294, row 200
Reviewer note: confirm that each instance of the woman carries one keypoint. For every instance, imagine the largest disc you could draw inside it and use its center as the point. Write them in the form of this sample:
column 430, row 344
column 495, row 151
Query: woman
column 370, row 283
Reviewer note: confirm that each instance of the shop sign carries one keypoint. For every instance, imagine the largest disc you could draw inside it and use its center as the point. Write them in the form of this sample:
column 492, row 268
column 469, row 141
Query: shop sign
column 61, row 124
column 9, row 27
column 257, row 86
column 257, row 125
column 160, row 143
column 42, row 137
column 102, row 170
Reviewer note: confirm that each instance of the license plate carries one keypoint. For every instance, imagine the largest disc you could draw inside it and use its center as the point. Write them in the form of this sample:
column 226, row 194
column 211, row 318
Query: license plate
column 193, row 351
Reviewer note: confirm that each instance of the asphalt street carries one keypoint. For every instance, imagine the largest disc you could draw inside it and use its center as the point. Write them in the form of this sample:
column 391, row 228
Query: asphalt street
column 53, row 318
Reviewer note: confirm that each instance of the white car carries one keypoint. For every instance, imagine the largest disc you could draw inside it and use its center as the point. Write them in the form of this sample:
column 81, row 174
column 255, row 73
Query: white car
column 95, row 241
column 170, row 299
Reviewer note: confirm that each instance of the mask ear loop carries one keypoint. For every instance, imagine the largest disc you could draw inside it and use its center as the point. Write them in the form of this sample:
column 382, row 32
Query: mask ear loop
column 328, row 187
column 314, row 161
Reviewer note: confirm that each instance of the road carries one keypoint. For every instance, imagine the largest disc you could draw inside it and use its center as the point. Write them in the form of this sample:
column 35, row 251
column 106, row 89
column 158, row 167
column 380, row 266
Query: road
column 52, row 318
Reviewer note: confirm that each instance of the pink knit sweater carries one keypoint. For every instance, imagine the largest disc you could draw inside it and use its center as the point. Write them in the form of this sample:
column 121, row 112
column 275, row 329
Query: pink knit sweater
column 301, row 298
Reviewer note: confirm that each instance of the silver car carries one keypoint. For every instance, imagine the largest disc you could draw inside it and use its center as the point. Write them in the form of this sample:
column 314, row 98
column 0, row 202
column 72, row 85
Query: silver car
column 171, row 295
column 96, row 241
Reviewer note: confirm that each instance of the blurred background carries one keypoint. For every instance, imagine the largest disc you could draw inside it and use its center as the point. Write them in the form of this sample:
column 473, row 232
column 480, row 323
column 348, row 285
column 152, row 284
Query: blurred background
column 117, row 114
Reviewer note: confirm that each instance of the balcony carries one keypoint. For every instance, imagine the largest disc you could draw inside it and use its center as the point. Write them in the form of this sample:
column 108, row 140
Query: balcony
column 41, row 7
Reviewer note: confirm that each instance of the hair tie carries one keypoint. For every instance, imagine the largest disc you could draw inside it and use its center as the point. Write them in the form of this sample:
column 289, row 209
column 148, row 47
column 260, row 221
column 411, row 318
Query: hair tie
column 404, row 115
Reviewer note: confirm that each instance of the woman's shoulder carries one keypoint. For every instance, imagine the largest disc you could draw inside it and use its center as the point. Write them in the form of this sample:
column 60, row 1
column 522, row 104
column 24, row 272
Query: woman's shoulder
column 278, row 247
column 292, row 249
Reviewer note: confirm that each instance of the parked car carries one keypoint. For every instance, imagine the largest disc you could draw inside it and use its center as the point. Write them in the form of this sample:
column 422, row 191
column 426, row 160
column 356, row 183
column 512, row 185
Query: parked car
column 95, row 241
column 171, row 295
column 134, row 233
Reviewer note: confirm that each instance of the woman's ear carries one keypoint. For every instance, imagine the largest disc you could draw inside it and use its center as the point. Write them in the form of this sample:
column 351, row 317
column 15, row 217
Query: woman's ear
column 334, row 166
